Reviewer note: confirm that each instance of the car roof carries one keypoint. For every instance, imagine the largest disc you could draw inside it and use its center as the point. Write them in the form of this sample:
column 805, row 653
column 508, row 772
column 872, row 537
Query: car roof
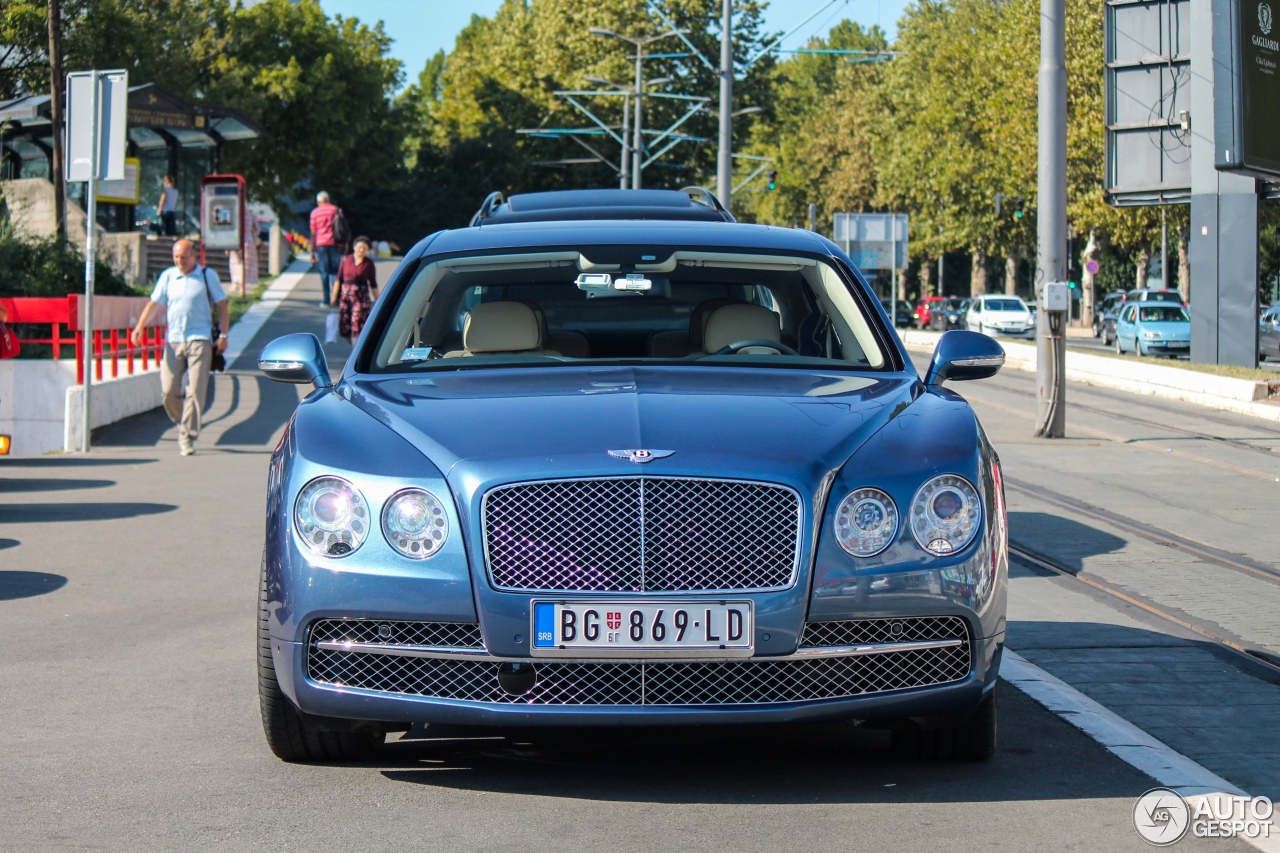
column 689, row 204
column 623, row 237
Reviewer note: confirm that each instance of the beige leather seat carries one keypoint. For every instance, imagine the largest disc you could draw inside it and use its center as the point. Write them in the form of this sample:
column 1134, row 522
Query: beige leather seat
column 681, row 344
column 502, row 328
column 742, row 322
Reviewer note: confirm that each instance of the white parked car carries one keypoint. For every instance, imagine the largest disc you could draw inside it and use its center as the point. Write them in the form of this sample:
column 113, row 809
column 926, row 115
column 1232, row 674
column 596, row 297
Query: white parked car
column 1000, row 315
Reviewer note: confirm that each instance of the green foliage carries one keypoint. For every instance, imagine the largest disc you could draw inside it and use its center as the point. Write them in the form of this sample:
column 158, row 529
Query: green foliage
column 816, row 132
column 34, row 267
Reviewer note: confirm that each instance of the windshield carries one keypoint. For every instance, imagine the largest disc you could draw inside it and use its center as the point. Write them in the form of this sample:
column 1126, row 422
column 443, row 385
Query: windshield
column 548, row 308
column 1004, row 305
column 1163, row 314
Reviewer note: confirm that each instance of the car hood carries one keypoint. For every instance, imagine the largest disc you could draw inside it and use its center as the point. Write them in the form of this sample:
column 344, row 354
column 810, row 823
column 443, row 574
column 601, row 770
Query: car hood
column 484, row 427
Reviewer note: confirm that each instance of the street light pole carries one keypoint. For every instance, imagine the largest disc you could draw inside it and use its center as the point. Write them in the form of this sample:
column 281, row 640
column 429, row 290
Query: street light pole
column 624, row 162
column 724, row 164
column 637, row 145
column 1051, row 220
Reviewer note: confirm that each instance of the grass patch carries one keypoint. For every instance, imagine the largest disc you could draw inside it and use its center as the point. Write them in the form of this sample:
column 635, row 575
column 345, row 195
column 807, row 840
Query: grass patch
column 1255, row 374
column 238, row 304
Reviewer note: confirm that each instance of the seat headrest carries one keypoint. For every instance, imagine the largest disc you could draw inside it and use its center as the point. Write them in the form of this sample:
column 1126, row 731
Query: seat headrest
column 742, row 322
column 701, row 312
column 501, row 327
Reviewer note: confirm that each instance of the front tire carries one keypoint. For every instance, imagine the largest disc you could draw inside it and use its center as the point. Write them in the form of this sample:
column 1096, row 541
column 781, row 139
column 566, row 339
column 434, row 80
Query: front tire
column 291, row 735
column 975, row 740
column 1119, row 346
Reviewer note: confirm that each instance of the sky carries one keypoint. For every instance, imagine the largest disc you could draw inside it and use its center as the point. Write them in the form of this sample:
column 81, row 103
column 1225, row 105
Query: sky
column 422, row 27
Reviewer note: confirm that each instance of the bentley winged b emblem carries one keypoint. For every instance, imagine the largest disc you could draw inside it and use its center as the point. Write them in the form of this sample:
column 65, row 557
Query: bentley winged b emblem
column 641, row 455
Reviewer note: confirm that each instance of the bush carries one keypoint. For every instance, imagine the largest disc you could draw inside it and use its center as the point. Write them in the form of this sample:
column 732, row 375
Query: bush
column 48, row 267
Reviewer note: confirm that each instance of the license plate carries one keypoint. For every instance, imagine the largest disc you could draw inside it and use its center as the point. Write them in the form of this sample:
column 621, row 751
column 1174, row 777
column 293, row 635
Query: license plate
column 1177, row 344
column 643, row 628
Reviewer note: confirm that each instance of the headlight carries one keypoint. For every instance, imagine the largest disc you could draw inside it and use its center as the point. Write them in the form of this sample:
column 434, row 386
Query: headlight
column 866, row 522
column 945, row 514
column 415, row 523
column 331, row 517
column 1151, row 336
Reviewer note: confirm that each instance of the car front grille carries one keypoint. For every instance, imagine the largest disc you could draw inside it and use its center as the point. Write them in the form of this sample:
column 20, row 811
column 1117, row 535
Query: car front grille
column 642, row 535
column 669, row 683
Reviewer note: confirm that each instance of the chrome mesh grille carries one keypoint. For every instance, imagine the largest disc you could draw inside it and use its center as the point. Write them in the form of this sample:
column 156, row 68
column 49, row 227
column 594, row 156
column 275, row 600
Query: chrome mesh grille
column 642, row 534
column 865, row 632
column 439, row 634
column 667, row 683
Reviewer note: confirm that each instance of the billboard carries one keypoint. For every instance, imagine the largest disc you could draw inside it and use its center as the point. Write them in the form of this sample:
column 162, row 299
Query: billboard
column 1147, row 101
column 873, row 241
column 1246, row 87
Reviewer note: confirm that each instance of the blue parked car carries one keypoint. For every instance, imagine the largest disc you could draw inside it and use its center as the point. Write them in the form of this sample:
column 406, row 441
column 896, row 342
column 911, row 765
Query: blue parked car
column 1153, row 328
column 611, row 458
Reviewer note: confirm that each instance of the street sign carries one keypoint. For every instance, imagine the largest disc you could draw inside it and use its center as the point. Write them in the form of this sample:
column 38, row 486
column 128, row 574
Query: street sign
column 1091, row 267
column 873, row 241
column 110, row 103
column 97, row 102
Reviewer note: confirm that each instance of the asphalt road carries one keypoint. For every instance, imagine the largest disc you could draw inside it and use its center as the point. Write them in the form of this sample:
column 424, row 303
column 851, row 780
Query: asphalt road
column 128, row 584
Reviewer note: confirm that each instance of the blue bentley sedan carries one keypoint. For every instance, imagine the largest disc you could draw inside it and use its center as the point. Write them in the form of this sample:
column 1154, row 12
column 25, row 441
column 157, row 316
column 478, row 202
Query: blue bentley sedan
column 611, row 458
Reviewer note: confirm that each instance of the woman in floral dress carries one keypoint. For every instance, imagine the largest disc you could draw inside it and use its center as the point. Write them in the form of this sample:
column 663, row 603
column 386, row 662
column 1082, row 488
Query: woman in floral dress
column 358, row 288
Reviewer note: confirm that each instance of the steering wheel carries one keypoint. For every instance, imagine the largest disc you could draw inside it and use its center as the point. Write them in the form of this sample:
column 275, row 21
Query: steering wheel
column 737, row 346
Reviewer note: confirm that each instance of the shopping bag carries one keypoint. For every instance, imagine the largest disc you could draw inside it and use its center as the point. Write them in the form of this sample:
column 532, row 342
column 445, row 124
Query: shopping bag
column 331, row 327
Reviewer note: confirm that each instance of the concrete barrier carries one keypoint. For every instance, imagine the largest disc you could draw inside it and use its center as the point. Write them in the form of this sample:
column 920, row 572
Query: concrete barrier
column 1243, row 396
column 41, row 404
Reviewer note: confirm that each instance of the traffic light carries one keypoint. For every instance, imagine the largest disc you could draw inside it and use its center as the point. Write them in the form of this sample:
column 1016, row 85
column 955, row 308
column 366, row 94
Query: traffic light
column 1019, row 207
column 999, row 203
column 772, row 177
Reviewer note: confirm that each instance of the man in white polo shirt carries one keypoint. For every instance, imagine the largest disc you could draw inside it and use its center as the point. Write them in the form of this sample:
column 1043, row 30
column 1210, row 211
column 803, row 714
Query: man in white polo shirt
column 189, row 291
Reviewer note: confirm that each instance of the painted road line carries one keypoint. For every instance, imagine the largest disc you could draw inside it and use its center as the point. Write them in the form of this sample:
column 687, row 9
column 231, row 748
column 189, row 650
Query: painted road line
column 1123, row 739
column 259, row 312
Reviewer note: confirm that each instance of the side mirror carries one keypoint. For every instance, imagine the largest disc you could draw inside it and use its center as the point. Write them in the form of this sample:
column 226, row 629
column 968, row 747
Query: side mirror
column 964, row 355
column 296, row 358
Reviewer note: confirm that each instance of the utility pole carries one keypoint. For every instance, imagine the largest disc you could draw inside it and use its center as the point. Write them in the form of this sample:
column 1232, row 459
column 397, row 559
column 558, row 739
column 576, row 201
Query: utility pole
column 724, row 161
column 1051, row 221
column 637, row 144
column 55, row 108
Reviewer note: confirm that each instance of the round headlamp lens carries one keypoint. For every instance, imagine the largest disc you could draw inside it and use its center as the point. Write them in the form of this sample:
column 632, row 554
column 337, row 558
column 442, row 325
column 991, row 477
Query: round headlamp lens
column 866, row 522
column 415, row 523
column 331, row 516
column 945, row 514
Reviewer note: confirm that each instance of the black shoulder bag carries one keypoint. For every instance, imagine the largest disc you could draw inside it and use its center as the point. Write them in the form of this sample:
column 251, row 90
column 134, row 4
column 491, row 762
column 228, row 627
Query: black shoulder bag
column 218, row 363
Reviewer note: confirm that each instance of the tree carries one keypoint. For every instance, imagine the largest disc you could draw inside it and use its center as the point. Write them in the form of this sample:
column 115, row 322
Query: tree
column 816, row 131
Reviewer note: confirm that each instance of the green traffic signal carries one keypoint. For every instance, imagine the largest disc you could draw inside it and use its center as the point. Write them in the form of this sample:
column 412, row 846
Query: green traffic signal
column 772, row 176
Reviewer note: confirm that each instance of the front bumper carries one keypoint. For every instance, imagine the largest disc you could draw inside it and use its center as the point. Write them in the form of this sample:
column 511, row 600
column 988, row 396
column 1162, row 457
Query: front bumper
column 355, row 674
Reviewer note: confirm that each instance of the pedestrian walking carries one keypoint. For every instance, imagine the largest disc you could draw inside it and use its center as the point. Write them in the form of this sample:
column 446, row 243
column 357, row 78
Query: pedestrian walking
column 189, row 293
column 358, row 288
column 168, row 207
column 328, row 241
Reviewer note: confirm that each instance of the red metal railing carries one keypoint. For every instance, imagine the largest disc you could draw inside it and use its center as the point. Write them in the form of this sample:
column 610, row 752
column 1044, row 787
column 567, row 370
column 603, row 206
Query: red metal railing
column 114, row 318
